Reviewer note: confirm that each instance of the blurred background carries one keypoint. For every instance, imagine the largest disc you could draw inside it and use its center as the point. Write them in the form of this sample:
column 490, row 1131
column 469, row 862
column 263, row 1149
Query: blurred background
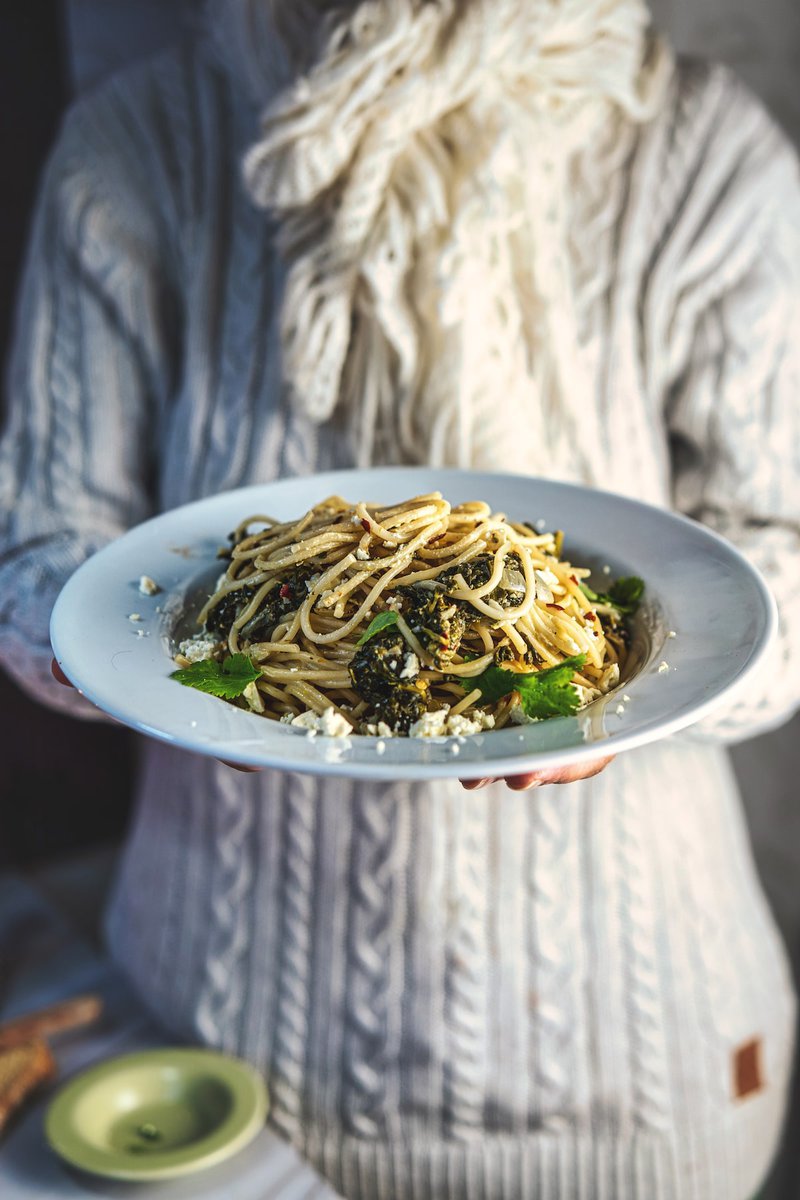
column 65, row 786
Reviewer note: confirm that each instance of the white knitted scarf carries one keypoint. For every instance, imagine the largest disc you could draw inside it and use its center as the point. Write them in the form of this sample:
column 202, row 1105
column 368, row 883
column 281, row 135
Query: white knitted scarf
column 416, row 154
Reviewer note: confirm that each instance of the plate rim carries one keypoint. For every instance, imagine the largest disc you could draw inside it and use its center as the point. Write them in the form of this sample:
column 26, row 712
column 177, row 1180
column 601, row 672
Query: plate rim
column 654, row 730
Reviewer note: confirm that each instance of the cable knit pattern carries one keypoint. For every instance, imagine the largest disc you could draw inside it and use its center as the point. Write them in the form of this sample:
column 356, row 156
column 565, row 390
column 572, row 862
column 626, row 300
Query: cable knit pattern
column 452, row 995
column 227, row 939
column 294, row 1006
column 557, row 1063
column 466, row 976
column 379, row 855
column 641, row 981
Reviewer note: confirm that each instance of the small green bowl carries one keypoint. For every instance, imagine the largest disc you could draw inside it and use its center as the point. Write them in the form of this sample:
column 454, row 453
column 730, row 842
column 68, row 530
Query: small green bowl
column 157, row 1114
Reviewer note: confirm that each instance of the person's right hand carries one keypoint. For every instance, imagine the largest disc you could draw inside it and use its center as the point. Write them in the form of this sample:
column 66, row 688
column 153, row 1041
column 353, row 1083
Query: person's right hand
column 534, row 779
column 58, row 674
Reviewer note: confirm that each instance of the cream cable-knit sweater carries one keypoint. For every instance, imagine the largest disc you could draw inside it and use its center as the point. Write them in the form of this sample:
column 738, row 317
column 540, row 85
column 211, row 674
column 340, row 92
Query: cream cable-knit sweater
column 453, row 994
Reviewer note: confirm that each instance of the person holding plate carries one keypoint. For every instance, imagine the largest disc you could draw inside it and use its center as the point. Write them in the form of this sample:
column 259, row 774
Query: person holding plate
column 498, row 234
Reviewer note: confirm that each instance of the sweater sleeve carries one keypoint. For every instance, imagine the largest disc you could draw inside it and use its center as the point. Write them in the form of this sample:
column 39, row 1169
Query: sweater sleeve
column 733, row 413
column 89, row 372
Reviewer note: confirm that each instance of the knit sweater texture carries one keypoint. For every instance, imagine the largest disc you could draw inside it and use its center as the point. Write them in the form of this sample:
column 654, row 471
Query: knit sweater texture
column 486, row 995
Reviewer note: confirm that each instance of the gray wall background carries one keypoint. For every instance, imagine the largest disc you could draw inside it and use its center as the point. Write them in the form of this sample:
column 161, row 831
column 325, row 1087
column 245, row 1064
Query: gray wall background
column 761, row 40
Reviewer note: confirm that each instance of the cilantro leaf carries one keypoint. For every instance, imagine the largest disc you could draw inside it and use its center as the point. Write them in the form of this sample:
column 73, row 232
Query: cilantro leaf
column 547, row 693
column 227, row 679
column 379, row 623
column 624, row 594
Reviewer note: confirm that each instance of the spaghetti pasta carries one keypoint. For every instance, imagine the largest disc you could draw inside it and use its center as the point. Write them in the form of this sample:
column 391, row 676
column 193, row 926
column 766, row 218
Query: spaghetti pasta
column 390, row 619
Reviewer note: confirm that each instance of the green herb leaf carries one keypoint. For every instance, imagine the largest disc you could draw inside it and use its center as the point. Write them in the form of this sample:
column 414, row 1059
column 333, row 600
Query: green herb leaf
column 227, row 679
column 547, row 693
column 379, row 623
column 624, row 595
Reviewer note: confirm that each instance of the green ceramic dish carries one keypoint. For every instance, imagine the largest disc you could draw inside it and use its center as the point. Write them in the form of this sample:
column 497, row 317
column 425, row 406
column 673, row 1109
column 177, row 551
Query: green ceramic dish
column 157, row 1114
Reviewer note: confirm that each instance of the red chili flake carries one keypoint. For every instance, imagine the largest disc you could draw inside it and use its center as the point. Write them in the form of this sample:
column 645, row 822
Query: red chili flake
column 557, row 607
column 574, row 580
column 285, row 591
column 590, row 616
column 366, row 525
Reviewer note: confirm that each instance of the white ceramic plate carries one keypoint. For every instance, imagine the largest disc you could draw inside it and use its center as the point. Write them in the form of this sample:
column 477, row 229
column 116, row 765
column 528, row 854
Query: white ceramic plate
column 697, row 585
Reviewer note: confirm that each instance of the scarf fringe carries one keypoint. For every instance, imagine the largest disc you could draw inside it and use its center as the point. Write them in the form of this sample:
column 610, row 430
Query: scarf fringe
column 419, row 171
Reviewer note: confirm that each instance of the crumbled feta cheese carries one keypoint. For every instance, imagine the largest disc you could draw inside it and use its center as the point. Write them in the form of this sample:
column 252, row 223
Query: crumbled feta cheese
column 142, row 633
column 148, row 586
column 134, row 616
column 306, row 720
column 355, row 519
column 362, row 555
column 625, row 696
column 455, row 748
column 199, row 647
column 611, row 675
column 394, row 603
column 474, row 723
column 672, row 634
column 380, row 747
column 330, row 723
column 663, row 667
column 430, row 724
column 410, row 666
column 334, row 724
column 311, row 583
column 380, row 730
column 440, row 723
column 619, row 710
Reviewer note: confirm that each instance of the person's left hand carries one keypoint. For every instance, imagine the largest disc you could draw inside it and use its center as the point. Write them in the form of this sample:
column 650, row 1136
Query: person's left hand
column 517, row 783
column 521, row 783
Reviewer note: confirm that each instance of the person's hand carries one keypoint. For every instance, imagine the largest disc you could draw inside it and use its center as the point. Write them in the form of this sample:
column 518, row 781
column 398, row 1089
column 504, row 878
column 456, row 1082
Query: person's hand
column 517, row 783
column 58, row 674
column 522, row 783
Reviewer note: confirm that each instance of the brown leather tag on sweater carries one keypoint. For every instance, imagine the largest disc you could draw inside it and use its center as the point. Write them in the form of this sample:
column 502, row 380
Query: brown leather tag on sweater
column 748, row 1071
